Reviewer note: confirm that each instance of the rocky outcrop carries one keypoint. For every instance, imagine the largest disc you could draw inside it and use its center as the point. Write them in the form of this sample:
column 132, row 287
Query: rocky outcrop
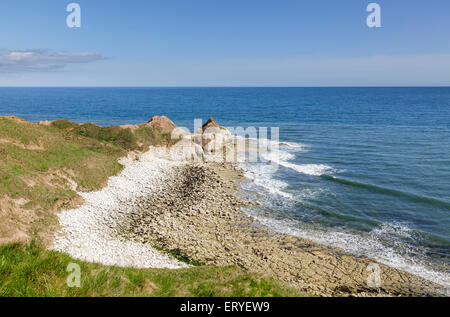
column 211, row 123
column 45, row 123
column 179, row 133
column 161, row 122
column 186, row 150
column 205, row 144
column 214, row 137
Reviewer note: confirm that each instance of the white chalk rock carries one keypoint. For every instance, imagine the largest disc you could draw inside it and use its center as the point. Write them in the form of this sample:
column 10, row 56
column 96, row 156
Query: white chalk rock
column 186, row 150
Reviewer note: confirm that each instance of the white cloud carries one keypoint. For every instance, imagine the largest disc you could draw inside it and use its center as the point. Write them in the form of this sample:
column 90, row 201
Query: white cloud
column 41, row 60
column 400, row 70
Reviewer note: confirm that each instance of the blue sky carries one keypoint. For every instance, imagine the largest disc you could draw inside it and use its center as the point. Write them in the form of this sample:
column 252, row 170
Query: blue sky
column 224, row 43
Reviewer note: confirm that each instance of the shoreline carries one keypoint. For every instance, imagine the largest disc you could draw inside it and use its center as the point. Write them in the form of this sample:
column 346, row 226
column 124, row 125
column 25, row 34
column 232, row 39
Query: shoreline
column 195, row 213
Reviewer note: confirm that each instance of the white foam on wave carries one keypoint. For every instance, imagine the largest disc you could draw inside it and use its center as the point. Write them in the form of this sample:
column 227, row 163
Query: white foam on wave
column 262, row 175
column 282, row 158
column 277, row 154
column 370, row 246
column 308, row 169
column 267, row 144
column 280, row 153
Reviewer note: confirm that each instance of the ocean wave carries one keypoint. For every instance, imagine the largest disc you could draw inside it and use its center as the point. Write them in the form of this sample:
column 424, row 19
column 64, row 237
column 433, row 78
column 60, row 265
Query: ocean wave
column 388, row 191
column 271, row 144
column 277, row 156
column 262, row 175
column 282, row 158
column 308, row 169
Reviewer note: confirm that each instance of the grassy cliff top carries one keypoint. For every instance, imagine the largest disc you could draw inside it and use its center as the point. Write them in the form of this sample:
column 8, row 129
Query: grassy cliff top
column 41, row 165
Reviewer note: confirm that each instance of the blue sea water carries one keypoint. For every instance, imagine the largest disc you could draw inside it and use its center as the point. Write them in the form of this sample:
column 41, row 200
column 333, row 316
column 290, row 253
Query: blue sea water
column 363, row 169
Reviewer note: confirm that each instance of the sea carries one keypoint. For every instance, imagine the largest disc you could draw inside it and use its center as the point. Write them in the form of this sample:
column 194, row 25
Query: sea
column 366, row 170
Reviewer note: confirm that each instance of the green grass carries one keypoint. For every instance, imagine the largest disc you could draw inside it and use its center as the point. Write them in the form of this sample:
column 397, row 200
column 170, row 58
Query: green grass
column 30, row 270
column 126, row 139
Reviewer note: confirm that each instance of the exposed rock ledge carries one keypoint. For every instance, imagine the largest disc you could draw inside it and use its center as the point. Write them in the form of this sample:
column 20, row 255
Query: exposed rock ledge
column 201, row 218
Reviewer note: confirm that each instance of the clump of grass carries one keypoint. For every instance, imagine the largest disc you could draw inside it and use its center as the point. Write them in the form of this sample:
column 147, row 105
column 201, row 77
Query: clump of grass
column 139, row 139
column 150, row 137
column 115, row 135
column 64, row 124
column 30, row 270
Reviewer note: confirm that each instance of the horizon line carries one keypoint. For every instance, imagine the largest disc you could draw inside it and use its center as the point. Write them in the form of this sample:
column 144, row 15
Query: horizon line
column 331, row 86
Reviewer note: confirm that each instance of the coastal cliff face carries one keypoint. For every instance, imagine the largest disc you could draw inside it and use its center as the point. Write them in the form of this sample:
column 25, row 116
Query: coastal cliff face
column 44, row 165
